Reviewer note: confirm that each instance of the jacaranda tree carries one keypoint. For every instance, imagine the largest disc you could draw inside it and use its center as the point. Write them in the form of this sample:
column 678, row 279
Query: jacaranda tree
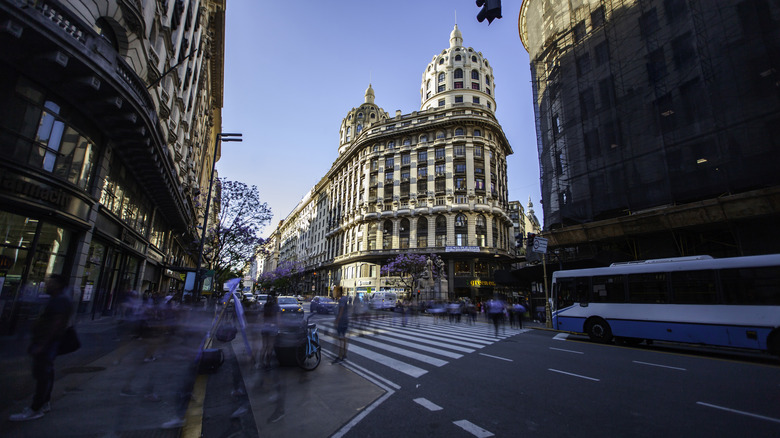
column 282, row 280
column 234, row 239
column 408, row 269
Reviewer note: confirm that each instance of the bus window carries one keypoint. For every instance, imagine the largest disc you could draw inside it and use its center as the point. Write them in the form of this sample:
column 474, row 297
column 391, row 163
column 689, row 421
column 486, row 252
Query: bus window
column 694, row 287
column 609, row 289
column 571, row 290
column 751, row 286
column 648, row 288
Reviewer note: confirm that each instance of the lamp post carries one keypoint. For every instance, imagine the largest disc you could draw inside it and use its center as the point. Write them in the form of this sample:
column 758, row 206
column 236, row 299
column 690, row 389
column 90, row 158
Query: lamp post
column 199, row 275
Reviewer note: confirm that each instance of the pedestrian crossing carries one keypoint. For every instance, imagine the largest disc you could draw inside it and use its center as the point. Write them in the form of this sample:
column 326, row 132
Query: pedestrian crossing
column 414, row 349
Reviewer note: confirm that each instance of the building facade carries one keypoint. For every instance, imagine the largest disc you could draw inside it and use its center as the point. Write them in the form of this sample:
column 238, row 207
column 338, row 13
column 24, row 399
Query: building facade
column 657, row 125
column 107, row 129
column 430, row 182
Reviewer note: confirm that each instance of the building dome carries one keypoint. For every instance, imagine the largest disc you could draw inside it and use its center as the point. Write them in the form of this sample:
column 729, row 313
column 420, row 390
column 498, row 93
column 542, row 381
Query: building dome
column 458, row 76
column 359, row 119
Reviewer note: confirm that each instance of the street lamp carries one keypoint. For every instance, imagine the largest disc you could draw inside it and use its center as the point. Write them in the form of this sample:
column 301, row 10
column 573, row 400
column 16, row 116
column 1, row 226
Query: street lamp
column 199, row 275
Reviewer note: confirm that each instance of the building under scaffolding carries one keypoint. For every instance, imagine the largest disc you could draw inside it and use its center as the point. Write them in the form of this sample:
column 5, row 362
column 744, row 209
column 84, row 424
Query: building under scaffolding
column 658, row 125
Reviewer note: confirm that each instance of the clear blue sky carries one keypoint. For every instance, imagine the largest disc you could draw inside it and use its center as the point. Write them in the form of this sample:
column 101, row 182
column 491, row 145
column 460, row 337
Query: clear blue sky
column 294, row 69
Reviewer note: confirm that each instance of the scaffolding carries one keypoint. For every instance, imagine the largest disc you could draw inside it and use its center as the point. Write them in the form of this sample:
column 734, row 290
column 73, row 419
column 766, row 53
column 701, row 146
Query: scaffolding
column 643, row 105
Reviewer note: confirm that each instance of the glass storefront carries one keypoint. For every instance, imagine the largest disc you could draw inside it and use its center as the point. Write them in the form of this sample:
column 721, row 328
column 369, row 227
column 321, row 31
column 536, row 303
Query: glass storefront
column 30, row 250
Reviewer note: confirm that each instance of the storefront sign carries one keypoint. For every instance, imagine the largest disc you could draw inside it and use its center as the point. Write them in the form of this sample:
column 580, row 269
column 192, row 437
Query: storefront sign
column 482, row 283
column 33, row 190
column 462, row 249
column 87, row 294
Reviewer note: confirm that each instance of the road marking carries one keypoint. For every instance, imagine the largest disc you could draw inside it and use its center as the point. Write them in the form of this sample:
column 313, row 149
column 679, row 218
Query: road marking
column 568, row 351
column 496, row 357
column 358, row 418
column 657, row 365
column 561, row 336
column 776, row 420
column 402, row 352
column 438, row 351
column 193, row 424
column 572, row 374
column 427, row 404
column 472, row 428
column 387, row 361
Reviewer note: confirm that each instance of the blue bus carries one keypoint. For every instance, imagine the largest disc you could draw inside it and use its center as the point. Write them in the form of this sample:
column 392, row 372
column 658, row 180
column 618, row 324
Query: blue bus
column 730, row 302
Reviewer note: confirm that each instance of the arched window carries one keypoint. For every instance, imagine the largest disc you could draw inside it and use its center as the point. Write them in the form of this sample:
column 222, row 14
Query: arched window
column 373, row 116
column 376, row 148
column 480, row 230
column 457, row 57
column 403, row 234
column 473, row 59
column 360, row 115
column 441, row 77
column 458, row 131
column 407, row 142
column 474, row 74
column 107, row 32
column 441, row 61
column 440, row 134
column 461, row 230
column 441, row 231
column 477, row 133
column 458, row 73
column 423, row 138
column 359, row 129
column 422, row 232
column 390, row 144
column 487, row 80
column 387, row 234
column 372, row 229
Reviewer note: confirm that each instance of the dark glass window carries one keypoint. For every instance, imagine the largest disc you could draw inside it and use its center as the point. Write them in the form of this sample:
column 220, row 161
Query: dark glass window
column 751, row 286
column 648, row 288
column 694, row 287
column 609, row 289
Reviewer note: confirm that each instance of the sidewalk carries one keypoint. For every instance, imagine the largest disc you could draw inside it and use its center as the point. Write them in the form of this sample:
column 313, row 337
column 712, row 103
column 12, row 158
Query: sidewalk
column 88, row 399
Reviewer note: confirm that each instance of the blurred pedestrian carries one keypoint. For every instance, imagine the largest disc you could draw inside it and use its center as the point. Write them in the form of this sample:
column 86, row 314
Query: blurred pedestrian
column 518, row 310
column 342, row 323
column 495, row 310
column 46, row 335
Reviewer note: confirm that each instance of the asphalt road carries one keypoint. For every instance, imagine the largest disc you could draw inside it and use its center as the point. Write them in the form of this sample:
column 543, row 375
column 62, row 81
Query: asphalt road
column 541, row 383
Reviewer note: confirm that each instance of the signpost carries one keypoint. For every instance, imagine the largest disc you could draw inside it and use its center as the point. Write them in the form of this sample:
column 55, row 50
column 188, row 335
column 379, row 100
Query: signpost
column 540, row 246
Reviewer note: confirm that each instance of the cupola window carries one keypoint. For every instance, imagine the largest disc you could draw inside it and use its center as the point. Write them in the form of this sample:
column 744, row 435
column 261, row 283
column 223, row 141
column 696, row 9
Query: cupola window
column 360, row 115
column 477, row 133
column 473, row 59
column 458, row 132
column 458, row 74
column 474, row 74
column 458, row 57
column 441, row 61
column 441, row 77
column 487, row 80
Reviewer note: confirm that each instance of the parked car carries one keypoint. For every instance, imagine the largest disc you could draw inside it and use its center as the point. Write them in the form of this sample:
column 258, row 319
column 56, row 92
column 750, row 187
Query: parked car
column 249, row 298
column 261, row 299
column 290, row 306
column 323, row 305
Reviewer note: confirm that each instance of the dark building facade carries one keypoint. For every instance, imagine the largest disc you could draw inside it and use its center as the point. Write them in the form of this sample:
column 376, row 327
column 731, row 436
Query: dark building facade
column 658, row 126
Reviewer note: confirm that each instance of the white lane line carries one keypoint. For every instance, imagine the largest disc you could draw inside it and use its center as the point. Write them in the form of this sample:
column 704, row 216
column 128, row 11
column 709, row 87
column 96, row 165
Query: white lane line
column 427, row 404
column 561, row 336
column 749, row 414
column 402, row 352
column 658, row 365
column 472, row 429
column 568, row 351
column 387, row 361
column 358, row 418
column 572, row 374
column 496, row 357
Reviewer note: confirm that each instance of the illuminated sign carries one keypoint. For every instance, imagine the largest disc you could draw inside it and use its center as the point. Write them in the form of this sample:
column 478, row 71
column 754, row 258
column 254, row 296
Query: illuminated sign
column 482, row 283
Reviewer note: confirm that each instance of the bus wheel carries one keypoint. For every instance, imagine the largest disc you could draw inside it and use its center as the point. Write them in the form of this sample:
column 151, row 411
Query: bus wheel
column 598, row 330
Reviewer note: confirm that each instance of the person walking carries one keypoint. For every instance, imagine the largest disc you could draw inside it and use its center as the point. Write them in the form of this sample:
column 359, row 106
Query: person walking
column 342, row 323
column 46, row 335
column 495, row 309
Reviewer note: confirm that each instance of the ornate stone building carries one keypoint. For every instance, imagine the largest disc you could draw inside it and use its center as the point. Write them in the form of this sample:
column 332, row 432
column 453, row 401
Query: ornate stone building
column 430, row 182
column 107, row 127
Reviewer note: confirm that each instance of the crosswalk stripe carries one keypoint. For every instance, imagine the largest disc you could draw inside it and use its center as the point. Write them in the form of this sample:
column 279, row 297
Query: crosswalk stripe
column 431, row 333
column 420, row 340
column 421, row 347
column 400, row 351
column 464, row 332
column 395, row 364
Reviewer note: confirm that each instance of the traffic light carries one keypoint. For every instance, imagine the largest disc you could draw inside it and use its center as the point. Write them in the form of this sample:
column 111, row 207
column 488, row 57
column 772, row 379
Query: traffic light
column 529, row 244
column 519, row 240
column 491, row 9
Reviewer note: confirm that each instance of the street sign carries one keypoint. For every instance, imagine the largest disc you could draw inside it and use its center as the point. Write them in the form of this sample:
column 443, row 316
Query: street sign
column 540, row 245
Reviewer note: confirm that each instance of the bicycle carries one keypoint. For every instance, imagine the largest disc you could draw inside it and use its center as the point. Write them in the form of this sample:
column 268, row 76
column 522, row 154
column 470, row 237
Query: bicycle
column 308, row 354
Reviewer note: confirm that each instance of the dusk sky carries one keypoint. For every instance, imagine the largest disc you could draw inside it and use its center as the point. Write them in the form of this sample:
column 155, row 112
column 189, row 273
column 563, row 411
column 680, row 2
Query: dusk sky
column 294, row 69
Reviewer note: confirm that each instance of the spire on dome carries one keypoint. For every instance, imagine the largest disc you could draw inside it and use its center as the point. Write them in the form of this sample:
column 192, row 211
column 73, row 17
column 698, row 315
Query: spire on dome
column 369, row 94
column 456, row 38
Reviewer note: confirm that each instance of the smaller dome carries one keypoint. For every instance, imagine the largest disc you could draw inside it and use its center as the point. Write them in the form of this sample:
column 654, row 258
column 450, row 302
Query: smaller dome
column 456, row 38
column 370, row 94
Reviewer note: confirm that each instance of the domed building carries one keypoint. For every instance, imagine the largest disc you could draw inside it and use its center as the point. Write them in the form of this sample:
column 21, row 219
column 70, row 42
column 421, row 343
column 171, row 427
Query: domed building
column 433, row 181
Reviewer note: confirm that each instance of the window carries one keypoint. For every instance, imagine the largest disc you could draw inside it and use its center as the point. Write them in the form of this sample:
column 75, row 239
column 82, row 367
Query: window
column 405, row 175
column 475, row 100
column 460, row 167
column 487, row 90
column 648, row 23
column 606, row 93
column 422, row 232
column 440, row 169
column 407, row 142
column 440, row 185
column 592, row 146
column 473, row 59
column 441, row 101
column 428, row 85
column 751, row 285
column 474, row 74
column 608, row 289
column 648, row 288
column 422, row 157
column 441, row 230
column 459, row 150
column 478, row 170
column 487, row 80
column 460, row 183
column 602, row 53
column 458, row 74
column 390, row 145
column 587, row 103
column 440, row 89
column 458, row 99
column 374, row 164
column 441, row 61
column 478, row 151
column 439, row 153
column 458, row 85
column 579, row 31
column 423, row 138
column 475, row 85
column 389, row 162
column 422, row 172
column 479, row 183
column 458, row 57
column 583, row 64
column 477, row 133
column 683, row 50
column 656, row 65
column 441, row 77
column 694, row 287
column 388, row 176
column 458, row 132
column 597, row 17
